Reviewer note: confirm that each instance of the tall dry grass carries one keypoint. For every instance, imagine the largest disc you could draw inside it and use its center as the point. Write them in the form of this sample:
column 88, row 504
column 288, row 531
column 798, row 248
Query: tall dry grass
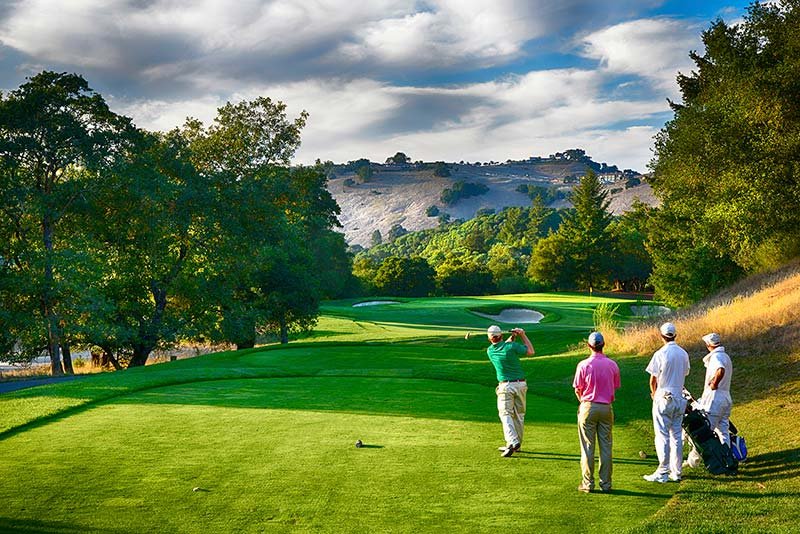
column 759, row 315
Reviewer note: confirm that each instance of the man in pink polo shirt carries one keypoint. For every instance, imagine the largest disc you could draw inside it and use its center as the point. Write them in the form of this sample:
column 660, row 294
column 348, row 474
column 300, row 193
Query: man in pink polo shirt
column 596, row 379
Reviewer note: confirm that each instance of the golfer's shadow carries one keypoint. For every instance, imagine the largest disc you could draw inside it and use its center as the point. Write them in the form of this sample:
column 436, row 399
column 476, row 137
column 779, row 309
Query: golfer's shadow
column 370, row 447
column 561, row 457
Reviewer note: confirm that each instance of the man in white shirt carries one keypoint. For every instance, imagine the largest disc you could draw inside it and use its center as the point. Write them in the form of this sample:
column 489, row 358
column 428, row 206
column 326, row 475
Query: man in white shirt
column 668, row 369
column 716, row 400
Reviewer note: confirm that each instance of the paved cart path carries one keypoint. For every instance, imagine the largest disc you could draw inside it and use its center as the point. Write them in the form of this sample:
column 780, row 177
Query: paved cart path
column 13, row 385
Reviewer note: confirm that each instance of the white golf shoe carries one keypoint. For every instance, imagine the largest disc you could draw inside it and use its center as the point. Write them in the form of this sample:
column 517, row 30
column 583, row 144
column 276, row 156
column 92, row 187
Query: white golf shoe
column 655, row 477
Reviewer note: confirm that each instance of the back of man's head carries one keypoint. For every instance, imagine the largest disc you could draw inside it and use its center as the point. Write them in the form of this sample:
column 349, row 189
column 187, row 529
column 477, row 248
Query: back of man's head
column 596, row 341
column 668, row 331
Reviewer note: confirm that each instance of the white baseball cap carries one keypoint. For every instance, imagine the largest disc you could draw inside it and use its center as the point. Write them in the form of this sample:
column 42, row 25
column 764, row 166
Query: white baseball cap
column 712, row 339
column 668, row 330
column 494, row 330
column 595, row 339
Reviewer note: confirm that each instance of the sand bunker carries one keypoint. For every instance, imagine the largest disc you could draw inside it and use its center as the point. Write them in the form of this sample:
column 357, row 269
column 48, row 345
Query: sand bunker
column 514, row 315
column 650, row 311
column 375, row 303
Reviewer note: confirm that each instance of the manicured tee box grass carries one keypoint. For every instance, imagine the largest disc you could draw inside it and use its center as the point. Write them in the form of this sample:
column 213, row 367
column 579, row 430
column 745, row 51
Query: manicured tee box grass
column 279, row 455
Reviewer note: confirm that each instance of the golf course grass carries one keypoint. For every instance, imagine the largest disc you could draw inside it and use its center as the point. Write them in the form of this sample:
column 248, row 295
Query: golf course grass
column 262, row 440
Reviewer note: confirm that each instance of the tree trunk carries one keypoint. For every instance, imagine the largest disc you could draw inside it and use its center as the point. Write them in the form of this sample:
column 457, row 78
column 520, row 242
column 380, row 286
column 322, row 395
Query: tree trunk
column 108, row 358
column 243, row 331
column 284, row 332
column 149, row 331
column 51, row 318
column 66, row 353
column 140, row 355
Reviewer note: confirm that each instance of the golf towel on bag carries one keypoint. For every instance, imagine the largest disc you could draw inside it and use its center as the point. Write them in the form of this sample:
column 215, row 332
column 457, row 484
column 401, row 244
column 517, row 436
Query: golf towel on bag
column 717, row 456
column 738, row 444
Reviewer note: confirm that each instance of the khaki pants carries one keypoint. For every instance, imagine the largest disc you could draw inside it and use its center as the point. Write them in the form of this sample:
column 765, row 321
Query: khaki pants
column 511, row 409
column 595, row 422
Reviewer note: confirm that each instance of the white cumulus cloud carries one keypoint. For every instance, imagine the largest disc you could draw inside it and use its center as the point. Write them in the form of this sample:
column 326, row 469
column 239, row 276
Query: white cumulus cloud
column 655, row 49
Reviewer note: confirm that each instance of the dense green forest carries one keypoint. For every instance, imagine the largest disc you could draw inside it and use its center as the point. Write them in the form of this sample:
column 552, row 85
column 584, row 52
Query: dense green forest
column 125, row 241
column 516, row 250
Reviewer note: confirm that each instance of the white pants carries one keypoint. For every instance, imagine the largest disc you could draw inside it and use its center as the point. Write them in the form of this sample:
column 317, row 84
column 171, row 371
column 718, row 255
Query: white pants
column 718, row 411
column 668, row 410
column 511, row 409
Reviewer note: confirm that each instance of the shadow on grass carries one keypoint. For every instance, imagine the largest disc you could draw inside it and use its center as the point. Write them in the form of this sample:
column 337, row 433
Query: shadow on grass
column 390, row 396
column 629, row 493
column 48, row 527
column 561, row 457
column 776, row 465
column 768, row 467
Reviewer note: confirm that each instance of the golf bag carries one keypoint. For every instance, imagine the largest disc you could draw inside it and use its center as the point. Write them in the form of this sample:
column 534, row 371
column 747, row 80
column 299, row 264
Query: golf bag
column 717, row 456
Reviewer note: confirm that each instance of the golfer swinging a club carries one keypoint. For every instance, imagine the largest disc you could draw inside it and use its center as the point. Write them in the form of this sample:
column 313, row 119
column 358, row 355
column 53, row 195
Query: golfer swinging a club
column 512, row 388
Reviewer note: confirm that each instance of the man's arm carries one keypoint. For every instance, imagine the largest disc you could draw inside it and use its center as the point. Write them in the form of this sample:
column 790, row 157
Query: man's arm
column 653, row 385
column 528, row 345
column 578, row 381
column 717, row 378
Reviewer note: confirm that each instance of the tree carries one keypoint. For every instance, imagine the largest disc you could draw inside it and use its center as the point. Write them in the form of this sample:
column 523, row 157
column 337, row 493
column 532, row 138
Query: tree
column 458, row 277
column 396, row 231
column 684, row 268
column 579, row 253
column 398, row 159
column 376, row 238
column 632, row 264
column 441, row 169
column 552, row 263
column 727, row 165
column 364, row 173
column 152, row 226
column 285, row 226
column 504, row 262
column 405, row 277
column 56, row 136
column 585, row 229
column 364, row 269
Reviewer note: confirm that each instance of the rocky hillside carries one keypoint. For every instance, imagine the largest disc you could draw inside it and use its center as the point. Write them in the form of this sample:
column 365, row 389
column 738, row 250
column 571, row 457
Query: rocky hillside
column 404, row 193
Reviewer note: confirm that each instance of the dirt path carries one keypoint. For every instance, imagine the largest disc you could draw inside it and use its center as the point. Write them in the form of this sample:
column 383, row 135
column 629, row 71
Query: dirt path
column 13, row 385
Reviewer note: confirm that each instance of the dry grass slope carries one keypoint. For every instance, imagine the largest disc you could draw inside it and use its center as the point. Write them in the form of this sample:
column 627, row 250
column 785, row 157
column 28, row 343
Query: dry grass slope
column 760, row 315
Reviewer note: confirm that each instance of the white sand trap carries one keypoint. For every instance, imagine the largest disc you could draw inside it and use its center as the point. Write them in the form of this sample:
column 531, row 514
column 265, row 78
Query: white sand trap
column 375, row 303
column 650, row 311
column 514, row 315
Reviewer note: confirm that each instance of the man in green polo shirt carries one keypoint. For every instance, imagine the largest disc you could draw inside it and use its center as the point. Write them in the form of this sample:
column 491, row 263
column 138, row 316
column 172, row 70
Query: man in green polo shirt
column 512, row 388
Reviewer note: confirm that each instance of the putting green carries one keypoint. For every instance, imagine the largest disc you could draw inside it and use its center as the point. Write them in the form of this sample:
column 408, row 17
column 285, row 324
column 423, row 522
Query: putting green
column 259, row 455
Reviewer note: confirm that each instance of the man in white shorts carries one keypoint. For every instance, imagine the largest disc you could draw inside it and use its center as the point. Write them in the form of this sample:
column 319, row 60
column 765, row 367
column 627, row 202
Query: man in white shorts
column 668, row 369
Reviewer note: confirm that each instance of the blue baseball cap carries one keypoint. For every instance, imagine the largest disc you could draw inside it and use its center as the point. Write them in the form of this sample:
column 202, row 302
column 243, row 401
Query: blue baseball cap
column 595, row 339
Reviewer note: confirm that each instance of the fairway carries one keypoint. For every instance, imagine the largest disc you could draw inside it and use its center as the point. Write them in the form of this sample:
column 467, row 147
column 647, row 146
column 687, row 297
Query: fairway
column 263, row 440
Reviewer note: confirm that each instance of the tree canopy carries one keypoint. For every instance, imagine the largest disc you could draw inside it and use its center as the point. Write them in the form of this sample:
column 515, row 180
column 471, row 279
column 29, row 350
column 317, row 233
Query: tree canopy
column 115, row 238
column 727, row 166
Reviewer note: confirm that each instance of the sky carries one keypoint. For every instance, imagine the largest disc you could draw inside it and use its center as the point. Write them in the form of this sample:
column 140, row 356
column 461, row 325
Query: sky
column 450, row 80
